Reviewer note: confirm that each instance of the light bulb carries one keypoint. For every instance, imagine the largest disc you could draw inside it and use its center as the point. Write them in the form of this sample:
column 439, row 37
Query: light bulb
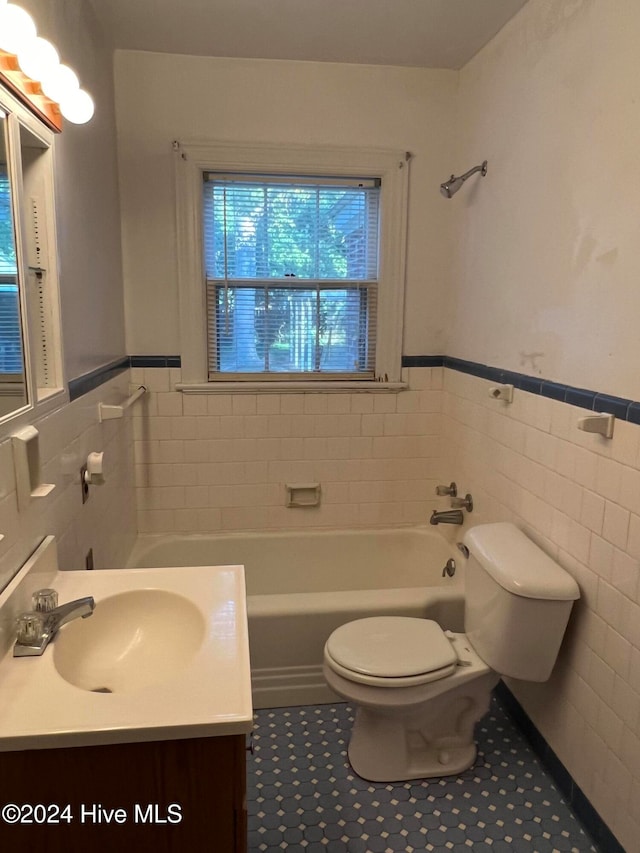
column 61, row 83
column 38, row 58
column 16, row 28
column 78, row 107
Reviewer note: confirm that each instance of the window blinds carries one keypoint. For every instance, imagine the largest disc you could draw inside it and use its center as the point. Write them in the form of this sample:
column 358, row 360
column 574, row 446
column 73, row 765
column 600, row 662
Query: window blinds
column 10, row 331
column 291, row 268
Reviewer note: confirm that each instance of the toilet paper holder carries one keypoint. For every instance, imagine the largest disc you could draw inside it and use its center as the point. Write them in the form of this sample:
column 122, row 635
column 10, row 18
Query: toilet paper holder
column 93, row 471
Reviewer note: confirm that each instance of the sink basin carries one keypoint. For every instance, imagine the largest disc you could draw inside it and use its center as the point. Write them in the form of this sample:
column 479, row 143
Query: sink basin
column 170, row 643
column 133, row 640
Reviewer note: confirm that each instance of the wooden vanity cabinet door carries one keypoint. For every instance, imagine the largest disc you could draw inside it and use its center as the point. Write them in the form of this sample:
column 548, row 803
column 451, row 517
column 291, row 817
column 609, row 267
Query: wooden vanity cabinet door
column 205, row 777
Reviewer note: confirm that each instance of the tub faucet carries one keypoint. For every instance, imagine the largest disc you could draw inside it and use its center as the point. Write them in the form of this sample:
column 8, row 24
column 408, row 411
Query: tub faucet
column 39, row 626
column 449, row 516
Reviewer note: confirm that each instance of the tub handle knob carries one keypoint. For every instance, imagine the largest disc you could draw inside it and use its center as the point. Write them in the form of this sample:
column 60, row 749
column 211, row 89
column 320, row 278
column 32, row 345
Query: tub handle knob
column 450, row 568
column 447, row 491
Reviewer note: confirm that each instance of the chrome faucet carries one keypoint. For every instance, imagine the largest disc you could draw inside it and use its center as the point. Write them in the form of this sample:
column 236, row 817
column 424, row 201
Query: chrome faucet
column 449, row 516
column 39, row 626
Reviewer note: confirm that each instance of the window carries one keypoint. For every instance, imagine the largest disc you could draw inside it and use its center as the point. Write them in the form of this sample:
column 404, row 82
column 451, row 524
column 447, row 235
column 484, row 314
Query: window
column 290, row 268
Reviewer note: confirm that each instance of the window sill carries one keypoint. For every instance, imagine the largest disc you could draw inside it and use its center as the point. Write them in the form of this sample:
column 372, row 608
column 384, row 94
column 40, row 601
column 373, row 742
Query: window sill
column 315, row 387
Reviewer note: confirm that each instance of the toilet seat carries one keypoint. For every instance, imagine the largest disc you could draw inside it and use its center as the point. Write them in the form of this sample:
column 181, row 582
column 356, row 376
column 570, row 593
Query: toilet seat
column 391, row 651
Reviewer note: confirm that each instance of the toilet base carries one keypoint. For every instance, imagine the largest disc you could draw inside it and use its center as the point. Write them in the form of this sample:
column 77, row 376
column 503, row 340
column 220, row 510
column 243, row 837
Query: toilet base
column 432, row 739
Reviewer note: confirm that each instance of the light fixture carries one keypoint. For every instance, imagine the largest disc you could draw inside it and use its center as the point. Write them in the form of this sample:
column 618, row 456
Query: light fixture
column 38, row 59
column 61, row 83
column 31, row 67
column 16, row 28
column 78, row 107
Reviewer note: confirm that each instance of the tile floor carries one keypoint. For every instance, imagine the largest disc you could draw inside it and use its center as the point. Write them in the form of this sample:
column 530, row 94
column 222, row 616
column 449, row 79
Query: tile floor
column 303, row 795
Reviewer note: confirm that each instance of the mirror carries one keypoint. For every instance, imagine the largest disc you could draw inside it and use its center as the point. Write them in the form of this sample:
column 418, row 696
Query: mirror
column 31, row 373
column 13, row 390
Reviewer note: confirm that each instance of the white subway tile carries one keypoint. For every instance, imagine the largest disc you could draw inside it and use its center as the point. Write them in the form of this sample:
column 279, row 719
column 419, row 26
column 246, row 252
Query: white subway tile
column 195, row 405
column 220, row 404
column 244, row 404
column 170, row 405
column 592, row 511
column 586, row 468
column 157, row 379
column 608, row 478
column 208, row 427
column 625, row 574
column 408, row 401
column 630, row 487
column 196, row 496
column 292, row 404
column 601, row 557
column 315, row 404
column 231, row 426
column 268, row 404
column 362, row 404
column 196, row 451
column 384, row 404
column 338, row 404
column 633, row 542
column 617, row 653
column 615, row 528
column 169, row 451
column 372, row 424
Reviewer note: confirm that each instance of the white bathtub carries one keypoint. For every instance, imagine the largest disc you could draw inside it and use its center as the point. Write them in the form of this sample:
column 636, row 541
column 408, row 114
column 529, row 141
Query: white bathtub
column 303, row 585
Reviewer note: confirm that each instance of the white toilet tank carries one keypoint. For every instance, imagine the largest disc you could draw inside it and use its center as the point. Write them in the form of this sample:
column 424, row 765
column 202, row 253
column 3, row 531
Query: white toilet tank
column 517, row 601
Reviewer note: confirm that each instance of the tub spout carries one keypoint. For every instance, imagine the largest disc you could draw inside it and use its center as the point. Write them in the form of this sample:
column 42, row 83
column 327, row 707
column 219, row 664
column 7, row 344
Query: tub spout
column 449, row 516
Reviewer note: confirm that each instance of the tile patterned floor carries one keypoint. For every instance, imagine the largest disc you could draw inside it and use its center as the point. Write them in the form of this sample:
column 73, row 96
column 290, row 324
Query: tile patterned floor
column 303, row 795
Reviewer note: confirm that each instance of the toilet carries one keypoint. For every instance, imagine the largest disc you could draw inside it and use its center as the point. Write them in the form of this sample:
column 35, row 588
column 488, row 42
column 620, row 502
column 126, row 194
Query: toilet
column 419, row 690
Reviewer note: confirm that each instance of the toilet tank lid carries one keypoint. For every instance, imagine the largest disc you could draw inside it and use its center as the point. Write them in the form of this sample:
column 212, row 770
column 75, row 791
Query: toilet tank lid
column 518, row 564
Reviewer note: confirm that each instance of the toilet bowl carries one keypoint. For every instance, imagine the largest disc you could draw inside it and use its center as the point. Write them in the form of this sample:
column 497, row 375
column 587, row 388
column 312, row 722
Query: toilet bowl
column 419, row 690
column 409, row 726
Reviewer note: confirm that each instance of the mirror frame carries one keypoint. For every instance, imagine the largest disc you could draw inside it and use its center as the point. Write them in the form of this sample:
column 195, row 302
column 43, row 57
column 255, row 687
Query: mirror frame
column 37, row 405
column 29, row 92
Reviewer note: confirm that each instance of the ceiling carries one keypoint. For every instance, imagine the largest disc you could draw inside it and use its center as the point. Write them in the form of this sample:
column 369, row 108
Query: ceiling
column 426, row 33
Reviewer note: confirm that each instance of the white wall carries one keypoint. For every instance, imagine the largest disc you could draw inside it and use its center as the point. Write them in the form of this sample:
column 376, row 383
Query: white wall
column 547, row 252
column 107, row 522
column 93, row 326
column 162, row 97
column 90, row 258
column 578, row 496
column 546, row 283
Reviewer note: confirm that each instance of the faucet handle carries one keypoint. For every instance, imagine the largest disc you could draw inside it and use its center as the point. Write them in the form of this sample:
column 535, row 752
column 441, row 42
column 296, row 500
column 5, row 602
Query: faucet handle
column 463, row 503
column 45, row 600
column 30, row 629
column 451, row 490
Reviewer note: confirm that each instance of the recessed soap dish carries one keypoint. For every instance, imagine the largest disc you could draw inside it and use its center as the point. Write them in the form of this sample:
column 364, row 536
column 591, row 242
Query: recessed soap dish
column 303, row 494
column 26, row 461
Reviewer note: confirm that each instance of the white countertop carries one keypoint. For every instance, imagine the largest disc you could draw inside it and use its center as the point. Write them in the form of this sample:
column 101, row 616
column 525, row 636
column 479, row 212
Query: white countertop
column 210, row 697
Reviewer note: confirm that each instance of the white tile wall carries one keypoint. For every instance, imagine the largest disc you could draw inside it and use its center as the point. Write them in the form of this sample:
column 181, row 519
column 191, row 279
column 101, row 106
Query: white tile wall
column 578, row 496
column 107, row 522
column 220, row 462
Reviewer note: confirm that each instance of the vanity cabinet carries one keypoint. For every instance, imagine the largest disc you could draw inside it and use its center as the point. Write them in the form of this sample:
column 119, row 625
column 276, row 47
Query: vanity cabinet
column 129, row 797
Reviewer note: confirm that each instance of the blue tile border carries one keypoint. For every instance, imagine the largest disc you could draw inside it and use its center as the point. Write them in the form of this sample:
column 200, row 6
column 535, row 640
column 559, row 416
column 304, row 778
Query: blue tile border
column 83, row 384
column 422, row 360
column 591, row 820
column 155, row 360
column 88, row 381
column 596, row 401
column 622, row 408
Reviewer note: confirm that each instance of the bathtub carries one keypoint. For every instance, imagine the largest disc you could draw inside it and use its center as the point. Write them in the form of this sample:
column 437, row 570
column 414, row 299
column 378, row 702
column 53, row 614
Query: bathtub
column 303, row 585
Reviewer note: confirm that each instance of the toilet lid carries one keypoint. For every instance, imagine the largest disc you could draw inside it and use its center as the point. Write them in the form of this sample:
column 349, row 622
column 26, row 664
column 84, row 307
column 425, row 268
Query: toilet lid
column 391, row 646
